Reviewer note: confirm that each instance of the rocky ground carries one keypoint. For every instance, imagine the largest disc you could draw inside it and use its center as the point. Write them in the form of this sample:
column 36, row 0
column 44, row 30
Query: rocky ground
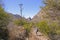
column 19, row 33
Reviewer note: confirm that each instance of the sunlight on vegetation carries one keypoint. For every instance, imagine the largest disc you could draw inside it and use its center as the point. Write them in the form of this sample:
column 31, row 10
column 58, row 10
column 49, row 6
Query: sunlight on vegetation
column 4, row 20
column 20, row 22
column 25, row 24
column 44, row 27
column 50, row 28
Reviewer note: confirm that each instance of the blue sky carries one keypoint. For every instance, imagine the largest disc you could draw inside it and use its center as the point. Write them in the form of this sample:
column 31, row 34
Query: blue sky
column 30, row 7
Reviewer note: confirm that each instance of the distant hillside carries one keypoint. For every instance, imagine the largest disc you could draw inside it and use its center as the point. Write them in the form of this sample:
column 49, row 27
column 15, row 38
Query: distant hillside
column 15, row 16
column 49, row 15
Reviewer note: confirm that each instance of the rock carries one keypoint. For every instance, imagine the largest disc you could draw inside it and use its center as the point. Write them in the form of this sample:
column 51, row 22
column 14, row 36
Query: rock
column 16, row 32
column 51, row 15
column 37, row 35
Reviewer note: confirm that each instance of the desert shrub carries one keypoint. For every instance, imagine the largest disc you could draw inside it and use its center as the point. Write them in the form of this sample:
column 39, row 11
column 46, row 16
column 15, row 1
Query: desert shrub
column 20, row 22
column 44, row 27
column 51, row 30
column 4, row 20
column 27, row 25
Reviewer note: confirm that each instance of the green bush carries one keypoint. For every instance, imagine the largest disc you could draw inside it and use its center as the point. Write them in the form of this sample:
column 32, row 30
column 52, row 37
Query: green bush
column 20, row 22
column 28, row 26
column 44, row 27
column 55, row 27
column 25, row 24
column 4, row 20
column 49, row 29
